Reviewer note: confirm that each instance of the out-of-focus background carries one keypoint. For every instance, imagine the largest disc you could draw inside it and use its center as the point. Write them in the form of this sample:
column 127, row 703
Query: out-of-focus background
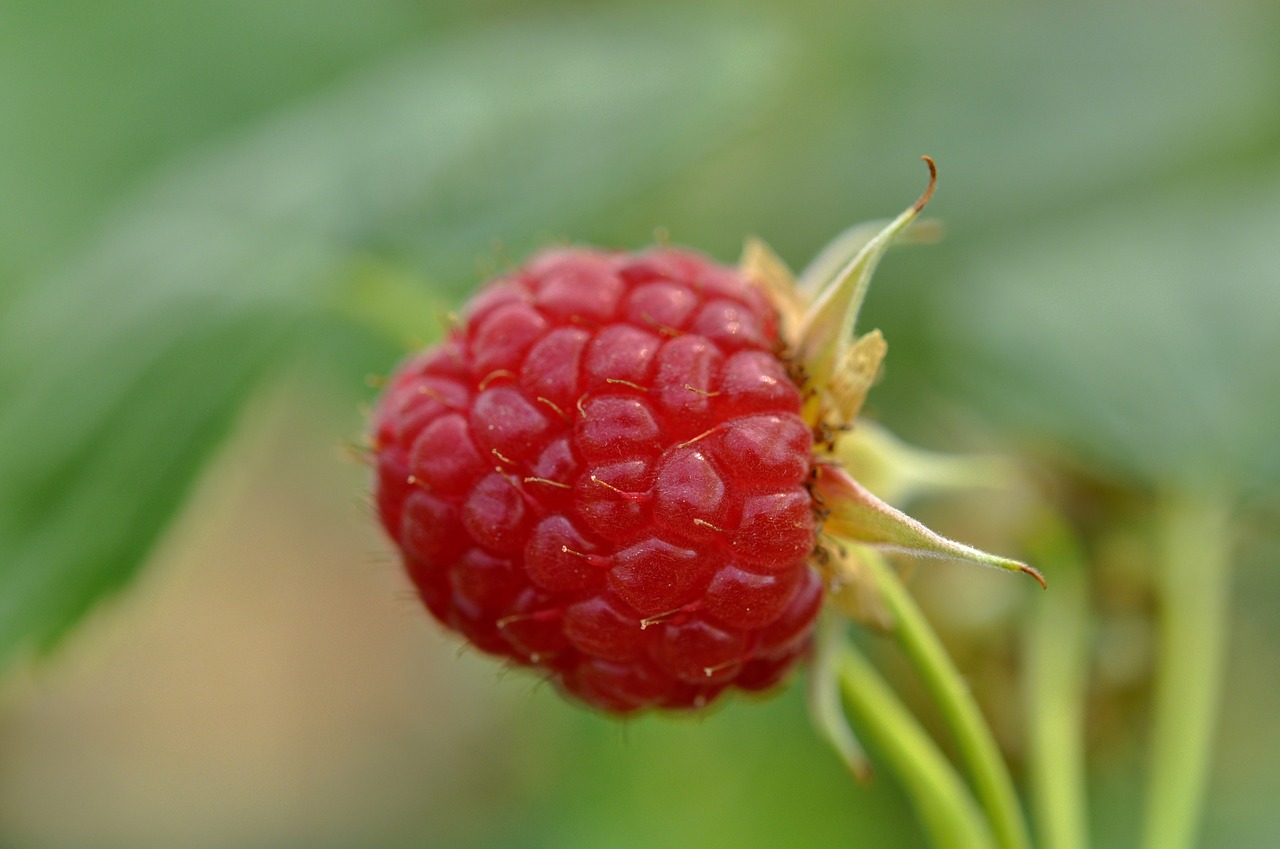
column 217, row 219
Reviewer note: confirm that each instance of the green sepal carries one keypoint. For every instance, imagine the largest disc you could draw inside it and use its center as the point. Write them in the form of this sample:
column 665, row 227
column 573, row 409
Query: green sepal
column 858, row 515
column 898, row 472
column 842, row 250
column 825, row 708
column 826, row 332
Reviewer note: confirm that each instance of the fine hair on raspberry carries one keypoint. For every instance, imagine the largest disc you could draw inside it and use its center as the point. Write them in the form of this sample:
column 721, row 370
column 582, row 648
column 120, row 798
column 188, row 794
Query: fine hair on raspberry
column 602, row 472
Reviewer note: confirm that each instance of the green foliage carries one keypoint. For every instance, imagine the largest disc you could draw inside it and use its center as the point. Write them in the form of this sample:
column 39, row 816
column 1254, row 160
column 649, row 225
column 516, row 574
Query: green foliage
column 1140, row 336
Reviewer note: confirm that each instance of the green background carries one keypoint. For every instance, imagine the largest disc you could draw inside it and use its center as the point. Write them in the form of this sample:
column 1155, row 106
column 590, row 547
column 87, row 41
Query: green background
column 216, row 219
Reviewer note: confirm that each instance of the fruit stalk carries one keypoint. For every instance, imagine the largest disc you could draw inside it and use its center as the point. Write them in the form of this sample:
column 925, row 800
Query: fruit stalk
column 977, row 745
column 946, row 807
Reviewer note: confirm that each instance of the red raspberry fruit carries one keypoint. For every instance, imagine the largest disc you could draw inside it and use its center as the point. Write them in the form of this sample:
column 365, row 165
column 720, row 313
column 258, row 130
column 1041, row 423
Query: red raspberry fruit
column 607, row 470
column 602, row 472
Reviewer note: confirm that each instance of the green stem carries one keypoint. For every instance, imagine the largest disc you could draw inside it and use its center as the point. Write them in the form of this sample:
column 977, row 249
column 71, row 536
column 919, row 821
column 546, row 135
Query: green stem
column 944, row 803
column 1057, row 670
column 1194, row 589
column 973, row 736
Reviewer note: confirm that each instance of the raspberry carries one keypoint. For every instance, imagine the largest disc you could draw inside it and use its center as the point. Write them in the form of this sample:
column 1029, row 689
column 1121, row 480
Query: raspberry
column 610, row 471
column 603, row 472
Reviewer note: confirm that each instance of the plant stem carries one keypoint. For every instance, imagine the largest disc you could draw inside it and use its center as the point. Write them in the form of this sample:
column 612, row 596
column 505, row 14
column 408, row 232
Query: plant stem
column 944, row 803
column 977, row 745
column 1194, row 590
column 1057, row 676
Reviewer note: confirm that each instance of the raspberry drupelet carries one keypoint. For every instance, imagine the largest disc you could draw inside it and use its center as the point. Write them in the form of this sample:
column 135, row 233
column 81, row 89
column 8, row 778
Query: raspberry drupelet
column 633, row 471
column 603, row 471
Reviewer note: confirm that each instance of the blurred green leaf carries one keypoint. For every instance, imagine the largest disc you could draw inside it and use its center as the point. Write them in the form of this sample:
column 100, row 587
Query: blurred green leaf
column 119, row 374
column 84, row 498
column 1141, row 335
column 1028, row 110
column 95, row 93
